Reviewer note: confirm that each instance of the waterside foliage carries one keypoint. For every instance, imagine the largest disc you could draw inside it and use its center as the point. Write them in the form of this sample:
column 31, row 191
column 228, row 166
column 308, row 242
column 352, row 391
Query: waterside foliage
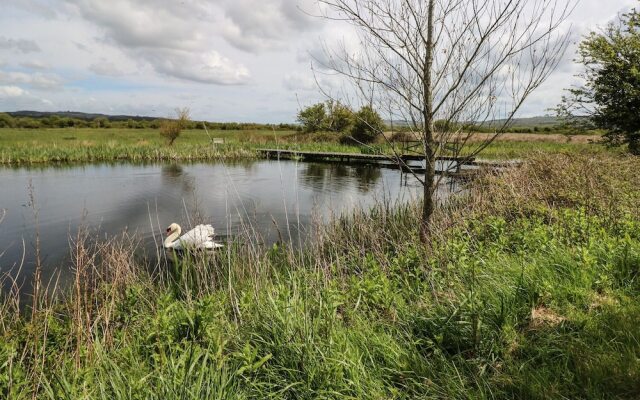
column 21, row 146
column 530, row 289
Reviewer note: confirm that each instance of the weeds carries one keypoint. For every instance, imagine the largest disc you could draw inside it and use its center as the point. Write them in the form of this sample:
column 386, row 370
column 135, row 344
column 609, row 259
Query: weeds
column 528, row 291
column 23, row 146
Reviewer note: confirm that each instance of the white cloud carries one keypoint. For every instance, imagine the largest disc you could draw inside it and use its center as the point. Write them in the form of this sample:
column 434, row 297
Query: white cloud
column 16, row 98
column 299, row 81
column 256, row 25
column 106, row 68
column 173, row 37
column 35, row 64
column 43, row 8
column 82, row 47
column 141, row 23
column 210, row 67
column 12, row 91
column 36, row 80
column 158, row 53
column 19, row 45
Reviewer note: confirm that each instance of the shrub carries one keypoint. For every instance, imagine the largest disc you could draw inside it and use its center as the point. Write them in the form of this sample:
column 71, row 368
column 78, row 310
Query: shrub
column 170, row 129
column 101, row 122
column 367, row 125
column 403, row 137
column 6, row 121
column 330, row 116
column 339, row 117
column 313, row 118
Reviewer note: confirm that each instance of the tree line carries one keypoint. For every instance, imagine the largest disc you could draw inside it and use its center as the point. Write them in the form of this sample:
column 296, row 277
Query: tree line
column 54, row 121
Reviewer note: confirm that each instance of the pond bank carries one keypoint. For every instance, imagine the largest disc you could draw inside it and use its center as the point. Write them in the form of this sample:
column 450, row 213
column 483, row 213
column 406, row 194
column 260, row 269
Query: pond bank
column 99, row 145
column 536, row 271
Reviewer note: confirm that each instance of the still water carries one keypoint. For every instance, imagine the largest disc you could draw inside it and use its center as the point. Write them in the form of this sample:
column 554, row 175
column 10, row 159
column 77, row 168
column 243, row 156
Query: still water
column 276, row 199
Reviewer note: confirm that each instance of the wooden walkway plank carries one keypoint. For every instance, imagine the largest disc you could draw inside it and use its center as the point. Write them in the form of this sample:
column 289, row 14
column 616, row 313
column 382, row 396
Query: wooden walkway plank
column 391, row 161
column 353, row 156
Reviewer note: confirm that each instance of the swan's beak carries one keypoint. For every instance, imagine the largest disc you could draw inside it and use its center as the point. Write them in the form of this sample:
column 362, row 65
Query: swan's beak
column 168, row 230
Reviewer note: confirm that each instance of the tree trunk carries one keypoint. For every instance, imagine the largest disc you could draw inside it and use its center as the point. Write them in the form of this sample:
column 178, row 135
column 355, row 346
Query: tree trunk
column 429, row 149
column 428, row 205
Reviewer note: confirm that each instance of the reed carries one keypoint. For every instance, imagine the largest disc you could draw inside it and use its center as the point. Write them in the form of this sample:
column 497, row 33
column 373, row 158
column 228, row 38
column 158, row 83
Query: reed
column 40, row 146
column 527, row 291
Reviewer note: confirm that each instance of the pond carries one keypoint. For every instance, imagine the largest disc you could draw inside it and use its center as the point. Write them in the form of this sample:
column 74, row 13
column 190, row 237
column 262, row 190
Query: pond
column 276, row 199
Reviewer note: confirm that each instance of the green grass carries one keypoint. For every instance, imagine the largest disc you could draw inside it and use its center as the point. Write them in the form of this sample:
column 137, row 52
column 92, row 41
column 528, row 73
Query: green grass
column 527, row 291
column 91, row 145
column 24, row 146
column 506, row 150
column 87, row 145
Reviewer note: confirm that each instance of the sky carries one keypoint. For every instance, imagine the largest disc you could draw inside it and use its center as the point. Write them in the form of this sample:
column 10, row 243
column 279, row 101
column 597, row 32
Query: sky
column 226, row 60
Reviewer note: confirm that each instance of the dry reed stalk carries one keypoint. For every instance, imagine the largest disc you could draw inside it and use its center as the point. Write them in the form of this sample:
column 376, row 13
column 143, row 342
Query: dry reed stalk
column 116, row 271
column 83, row 263
column 37, row 276
column 563, row 180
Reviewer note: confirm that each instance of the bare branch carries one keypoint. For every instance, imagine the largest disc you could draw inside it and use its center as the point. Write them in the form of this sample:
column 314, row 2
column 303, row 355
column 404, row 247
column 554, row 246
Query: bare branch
column 445, row 66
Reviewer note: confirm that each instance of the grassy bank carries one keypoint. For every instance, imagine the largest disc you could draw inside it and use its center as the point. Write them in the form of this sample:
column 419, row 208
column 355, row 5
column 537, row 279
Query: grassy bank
column 100, row 145
column 92, row 145
column 23, row 146
column 530, row 289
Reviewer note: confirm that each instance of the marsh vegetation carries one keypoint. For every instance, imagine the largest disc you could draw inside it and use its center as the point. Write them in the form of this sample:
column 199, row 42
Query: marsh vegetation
column 529, row 290
column 29, row 146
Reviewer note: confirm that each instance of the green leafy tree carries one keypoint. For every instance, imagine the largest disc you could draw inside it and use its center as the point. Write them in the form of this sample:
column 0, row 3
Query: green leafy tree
column 170, row 129
column 52, row 121
column 313, row 118
column 367, row 125
column 101, row 122
column 610, row 96
column 28, row 123
column 339, row 117
column 6, row 121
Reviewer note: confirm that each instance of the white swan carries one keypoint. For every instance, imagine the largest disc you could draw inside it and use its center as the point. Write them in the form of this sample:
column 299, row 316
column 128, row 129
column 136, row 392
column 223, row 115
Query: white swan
column 200, row 237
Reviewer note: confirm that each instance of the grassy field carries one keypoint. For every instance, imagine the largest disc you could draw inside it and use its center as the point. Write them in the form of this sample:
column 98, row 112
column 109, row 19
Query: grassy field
column 530, row 289
column 44, row 145
column 23, row 146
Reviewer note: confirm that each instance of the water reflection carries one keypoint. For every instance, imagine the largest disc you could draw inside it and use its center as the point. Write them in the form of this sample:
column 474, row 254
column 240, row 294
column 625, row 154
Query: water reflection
column 318, row 176
column 174, row 175
column 172, row 171
column 145, row 198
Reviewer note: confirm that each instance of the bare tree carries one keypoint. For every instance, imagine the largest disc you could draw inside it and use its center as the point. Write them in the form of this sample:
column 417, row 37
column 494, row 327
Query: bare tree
column 445, row 67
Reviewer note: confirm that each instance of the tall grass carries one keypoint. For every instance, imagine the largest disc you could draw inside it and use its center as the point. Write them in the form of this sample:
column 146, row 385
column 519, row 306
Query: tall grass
column 528, row 290
column 23, row 146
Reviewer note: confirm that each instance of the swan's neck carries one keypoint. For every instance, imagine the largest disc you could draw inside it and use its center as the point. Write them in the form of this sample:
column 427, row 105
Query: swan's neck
column 170, row 240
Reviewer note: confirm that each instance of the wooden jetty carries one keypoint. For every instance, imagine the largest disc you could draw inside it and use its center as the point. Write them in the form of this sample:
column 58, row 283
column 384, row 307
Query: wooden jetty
column 455, row 169
column 353, row 157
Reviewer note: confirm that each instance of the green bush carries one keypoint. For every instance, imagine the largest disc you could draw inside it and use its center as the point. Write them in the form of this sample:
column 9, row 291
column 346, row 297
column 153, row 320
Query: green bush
column 6, row 121
column 313, row 118
column 339, row 117
column 330, row 116
column 367, row 125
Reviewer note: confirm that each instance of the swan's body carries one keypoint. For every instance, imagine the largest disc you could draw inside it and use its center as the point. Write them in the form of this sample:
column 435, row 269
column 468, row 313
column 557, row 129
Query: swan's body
column 199, row 238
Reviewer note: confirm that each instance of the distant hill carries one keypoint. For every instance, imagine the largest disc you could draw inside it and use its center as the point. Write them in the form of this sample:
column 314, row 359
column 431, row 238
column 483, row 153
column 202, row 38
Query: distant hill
column 542, row 121
column 547, row 120
column 78, row 115
column 73, row 119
